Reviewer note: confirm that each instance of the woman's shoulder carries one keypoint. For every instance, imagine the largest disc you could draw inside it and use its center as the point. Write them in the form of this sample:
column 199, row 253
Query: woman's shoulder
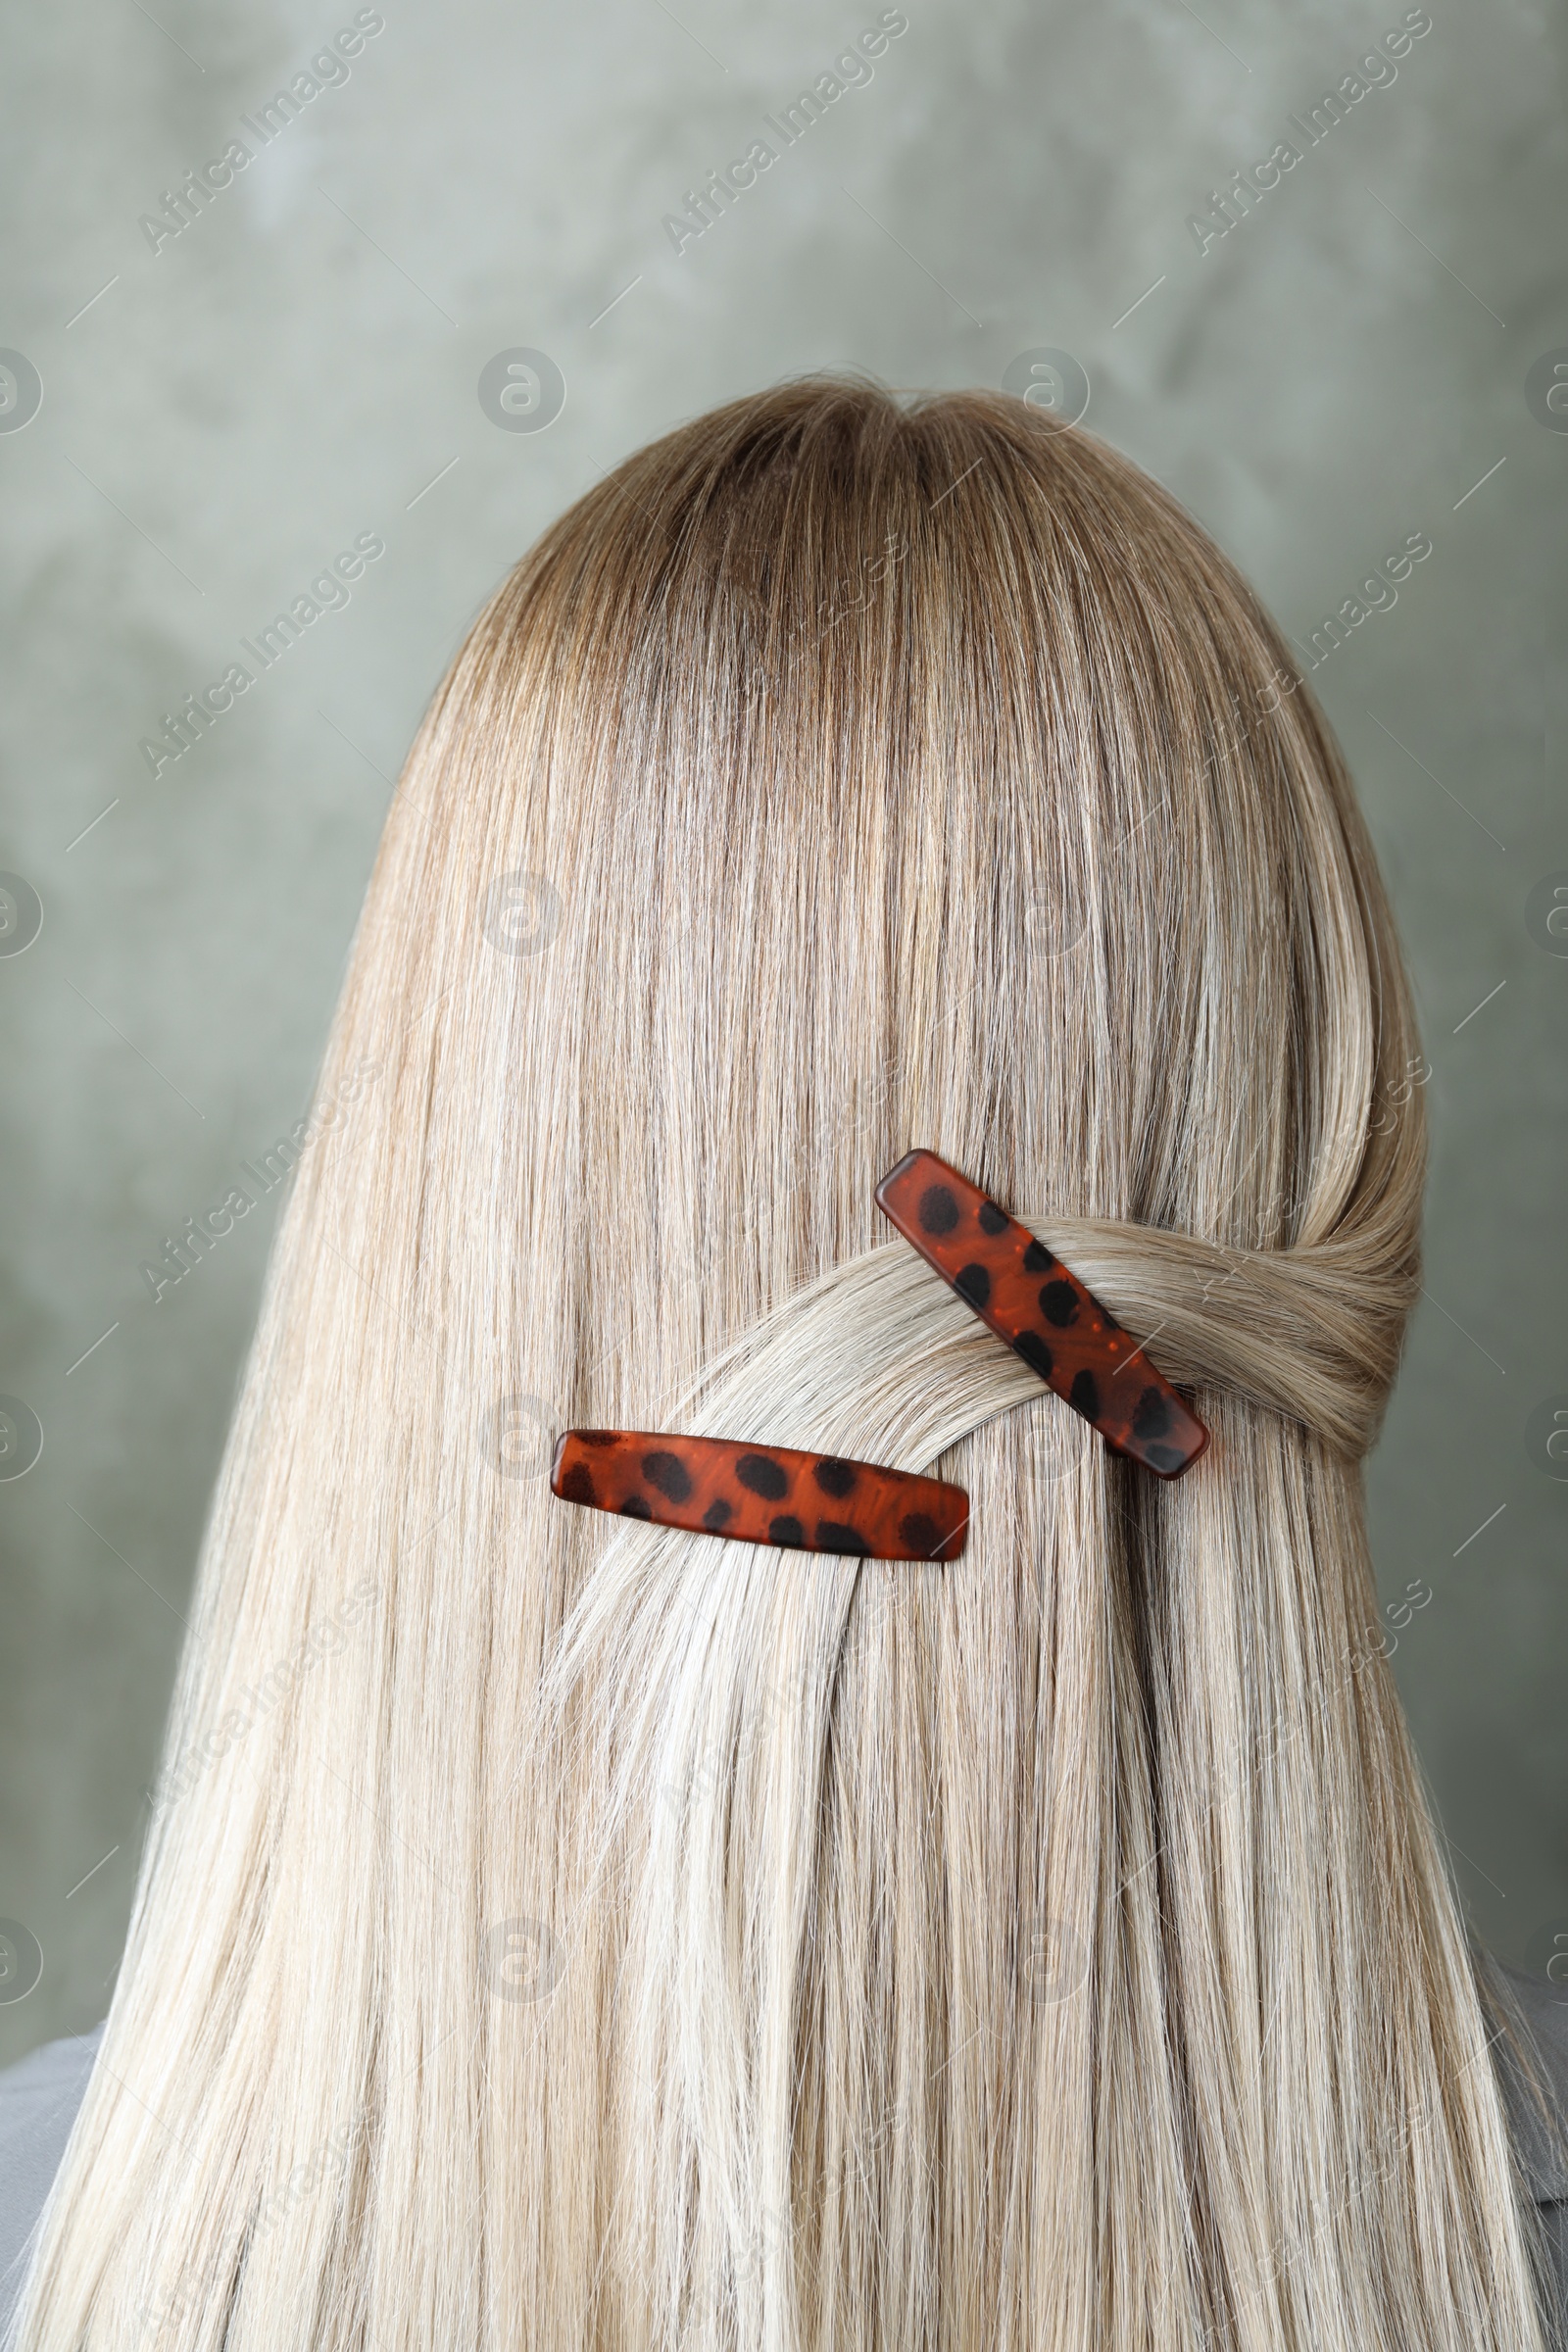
column 1537, row 2014
column 1542, row 2010
column 38, row 2101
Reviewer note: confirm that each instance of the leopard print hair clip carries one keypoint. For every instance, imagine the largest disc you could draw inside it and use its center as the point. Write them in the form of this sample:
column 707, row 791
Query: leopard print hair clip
column 1014, row 1283
column 754, row 1494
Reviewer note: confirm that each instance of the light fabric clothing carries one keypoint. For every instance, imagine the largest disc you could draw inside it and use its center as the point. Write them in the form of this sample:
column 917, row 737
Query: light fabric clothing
column 38, row 2100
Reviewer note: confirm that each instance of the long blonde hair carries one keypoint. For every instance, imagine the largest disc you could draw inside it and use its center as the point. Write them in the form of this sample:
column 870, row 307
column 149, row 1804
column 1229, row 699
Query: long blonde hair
column 558, row 1931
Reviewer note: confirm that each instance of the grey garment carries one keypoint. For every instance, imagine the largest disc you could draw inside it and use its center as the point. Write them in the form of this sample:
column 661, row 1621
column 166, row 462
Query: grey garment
column 1543, row 2152
column 38, row 2101
column 40, row 2098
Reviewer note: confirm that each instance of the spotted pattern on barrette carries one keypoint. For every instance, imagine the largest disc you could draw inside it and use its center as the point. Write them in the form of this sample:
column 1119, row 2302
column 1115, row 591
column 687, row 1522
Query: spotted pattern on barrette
column 1034, row 1302
column 762, row 1494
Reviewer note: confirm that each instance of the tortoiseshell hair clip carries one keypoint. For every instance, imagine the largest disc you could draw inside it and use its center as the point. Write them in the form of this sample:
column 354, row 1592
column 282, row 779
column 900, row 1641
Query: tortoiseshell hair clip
column 1030, row 1298
column 754, row 1494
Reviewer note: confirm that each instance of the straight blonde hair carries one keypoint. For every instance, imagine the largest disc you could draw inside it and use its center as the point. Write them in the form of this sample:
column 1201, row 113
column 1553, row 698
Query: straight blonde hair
column 558, row 1932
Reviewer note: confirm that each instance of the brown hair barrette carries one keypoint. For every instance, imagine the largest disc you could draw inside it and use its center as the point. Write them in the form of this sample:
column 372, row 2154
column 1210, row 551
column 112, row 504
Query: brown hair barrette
column 1028, row 1297
column 754, row 1494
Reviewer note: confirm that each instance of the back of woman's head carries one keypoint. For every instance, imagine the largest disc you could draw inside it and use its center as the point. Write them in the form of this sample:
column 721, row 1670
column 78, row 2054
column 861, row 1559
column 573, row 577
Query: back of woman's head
column 625, row 1938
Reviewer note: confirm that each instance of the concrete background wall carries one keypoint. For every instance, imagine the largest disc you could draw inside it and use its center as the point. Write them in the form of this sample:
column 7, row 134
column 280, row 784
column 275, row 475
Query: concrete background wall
column 226, row 408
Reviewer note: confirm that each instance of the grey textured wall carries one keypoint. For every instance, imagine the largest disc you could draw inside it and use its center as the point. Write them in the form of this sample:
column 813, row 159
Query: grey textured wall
column 227, row 408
